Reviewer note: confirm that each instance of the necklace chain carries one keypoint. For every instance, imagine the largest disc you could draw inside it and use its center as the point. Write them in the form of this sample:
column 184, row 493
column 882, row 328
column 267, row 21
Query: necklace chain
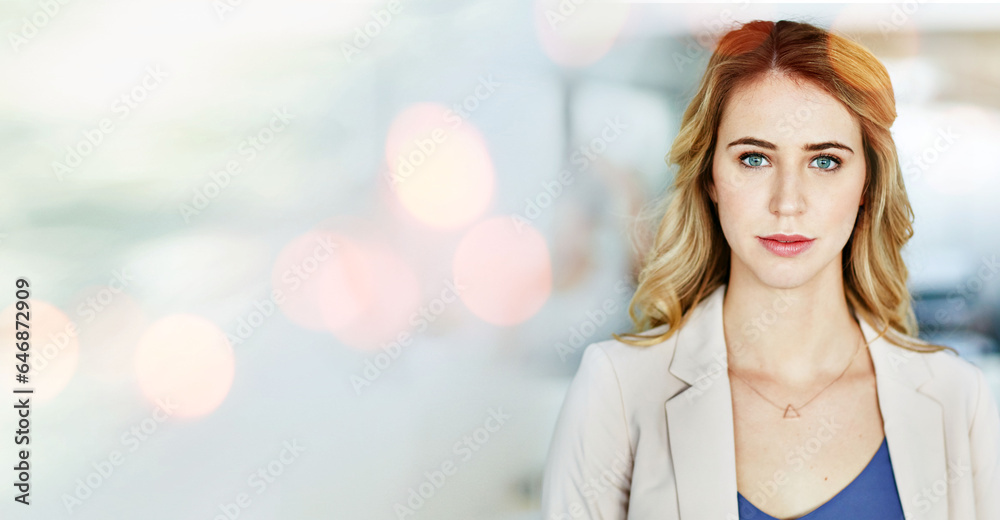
column 792, row 412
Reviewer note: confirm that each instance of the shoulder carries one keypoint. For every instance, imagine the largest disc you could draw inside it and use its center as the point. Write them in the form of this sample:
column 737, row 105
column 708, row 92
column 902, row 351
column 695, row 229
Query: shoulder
column 631, row 358
column 950, row 368
column 633, row 369
column 945, row 363
column 969, row 416
column 966, row 381
column 955, row 381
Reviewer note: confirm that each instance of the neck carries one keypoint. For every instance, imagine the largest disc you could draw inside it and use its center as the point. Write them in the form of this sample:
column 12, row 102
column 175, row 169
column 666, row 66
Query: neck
column 794, row 335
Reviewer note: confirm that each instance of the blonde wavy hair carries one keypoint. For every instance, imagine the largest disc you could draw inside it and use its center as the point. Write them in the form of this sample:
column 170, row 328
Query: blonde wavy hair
column 689, row 256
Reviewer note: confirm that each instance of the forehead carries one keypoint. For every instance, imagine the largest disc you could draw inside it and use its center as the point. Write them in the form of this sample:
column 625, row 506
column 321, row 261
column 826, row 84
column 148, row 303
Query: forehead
column 787, row 111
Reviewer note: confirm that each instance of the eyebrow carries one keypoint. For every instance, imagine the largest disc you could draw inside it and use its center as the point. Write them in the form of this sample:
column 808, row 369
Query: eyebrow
column 808, row 147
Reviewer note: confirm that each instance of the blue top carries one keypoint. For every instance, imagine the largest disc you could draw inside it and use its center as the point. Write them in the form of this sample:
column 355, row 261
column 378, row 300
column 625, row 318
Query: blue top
column 872, row 494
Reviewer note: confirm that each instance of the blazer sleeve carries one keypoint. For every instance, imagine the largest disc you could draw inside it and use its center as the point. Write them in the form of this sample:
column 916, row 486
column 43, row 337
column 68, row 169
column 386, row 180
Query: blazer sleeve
column 588, row 471
column 984, row 438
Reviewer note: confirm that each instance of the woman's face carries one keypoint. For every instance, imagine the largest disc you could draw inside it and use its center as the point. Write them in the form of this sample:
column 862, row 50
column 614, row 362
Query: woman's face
column 788, row 160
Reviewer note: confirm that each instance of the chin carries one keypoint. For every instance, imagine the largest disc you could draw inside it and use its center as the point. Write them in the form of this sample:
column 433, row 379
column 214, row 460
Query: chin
column 781, row 273
column 782, row 282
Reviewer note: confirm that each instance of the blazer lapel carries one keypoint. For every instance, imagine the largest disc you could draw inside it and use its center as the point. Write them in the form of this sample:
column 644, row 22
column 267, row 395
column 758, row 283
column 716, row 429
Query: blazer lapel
column 701, row 432
column 914, row 427
column 700, row 418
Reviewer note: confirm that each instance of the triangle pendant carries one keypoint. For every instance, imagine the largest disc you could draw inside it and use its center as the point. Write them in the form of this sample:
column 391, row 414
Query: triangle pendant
column 791, row 413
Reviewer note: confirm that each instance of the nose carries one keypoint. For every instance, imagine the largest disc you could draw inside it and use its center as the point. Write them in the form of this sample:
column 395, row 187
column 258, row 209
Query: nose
column 787, row 193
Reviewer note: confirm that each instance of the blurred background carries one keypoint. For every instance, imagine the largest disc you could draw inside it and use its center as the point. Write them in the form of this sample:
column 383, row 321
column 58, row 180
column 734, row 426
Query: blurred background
column 339, row 259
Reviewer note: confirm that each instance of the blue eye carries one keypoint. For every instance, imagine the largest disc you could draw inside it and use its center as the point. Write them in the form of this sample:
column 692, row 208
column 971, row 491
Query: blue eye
column 827, row 162
column 756, row 160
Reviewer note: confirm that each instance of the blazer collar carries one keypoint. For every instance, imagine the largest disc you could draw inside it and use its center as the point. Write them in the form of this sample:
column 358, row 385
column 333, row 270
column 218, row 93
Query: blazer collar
column 700, row 420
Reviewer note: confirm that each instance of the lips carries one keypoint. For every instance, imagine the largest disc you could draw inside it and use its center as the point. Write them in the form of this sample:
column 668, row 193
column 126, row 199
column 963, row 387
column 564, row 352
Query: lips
column 787, row 238
column 786, row 245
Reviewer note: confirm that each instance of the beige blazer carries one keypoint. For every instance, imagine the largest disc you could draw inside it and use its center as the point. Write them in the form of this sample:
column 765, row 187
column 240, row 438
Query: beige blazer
column 647, row 432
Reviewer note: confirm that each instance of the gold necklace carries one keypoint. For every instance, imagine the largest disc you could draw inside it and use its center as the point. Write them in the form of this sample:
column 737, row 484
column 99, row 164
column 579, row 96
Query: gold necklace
column 792, row 412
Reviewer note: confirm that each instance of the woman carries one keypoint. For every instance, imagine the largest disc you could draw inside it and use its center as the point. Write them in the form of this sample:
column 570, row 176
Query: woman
column 778, row 373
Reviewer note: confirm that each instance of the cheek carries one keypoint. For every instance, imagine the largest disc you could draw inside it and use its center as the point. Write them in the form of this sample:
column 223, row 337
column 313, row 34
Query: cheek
column 727, row 179
column 738, row 186
column 738, row 194
column 843, row 203
column 736, row 212
column 843, row 217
